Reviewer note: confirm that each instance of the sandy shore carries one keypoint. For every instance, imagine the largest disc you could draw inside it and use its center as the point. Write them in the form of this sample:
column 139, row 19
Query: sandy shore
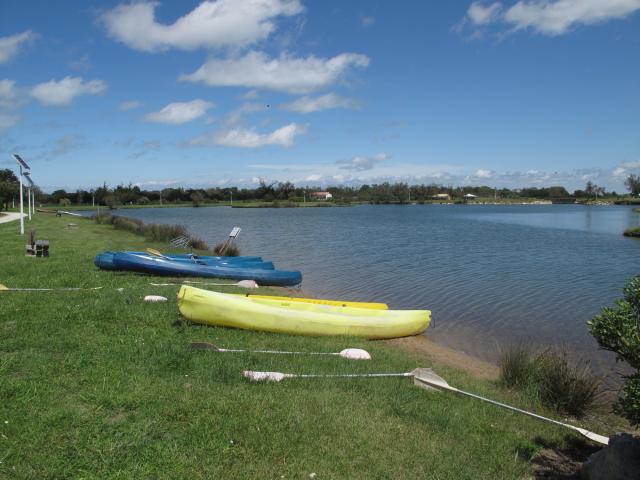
column 421, row 346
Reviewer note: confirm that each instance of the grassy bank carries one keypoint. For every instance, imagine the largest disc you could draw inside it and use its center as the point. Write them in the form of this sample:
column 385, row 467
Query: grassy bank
column 99, row 384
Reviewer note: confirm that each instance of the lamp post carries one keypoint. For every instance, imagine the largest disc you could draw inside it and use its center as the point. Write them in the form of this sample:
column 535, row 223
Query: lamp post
column 23, row 168
column 27, row 176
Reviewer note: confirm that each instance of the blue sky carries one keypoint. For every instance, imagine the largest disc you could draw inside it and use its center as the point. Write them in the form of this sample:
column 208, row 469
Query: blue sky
column 226, row 92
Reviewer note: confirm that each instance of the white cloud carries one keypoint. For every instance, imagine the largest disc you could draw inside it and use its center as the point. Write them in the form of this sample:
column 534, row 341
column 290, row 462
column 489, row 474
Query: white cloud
column 249, row 138
column 8, row 93
column 634, row 164
column 180, row 112
column 129, row 105
column 619, row 172
column 361, row 164
column 250, row 95
column 9, row 46
column 481, row 14
column 556, row 18
column 368, row 21
column 62, row 93
column 212, row 24
column 323, row 102
column 7, row 120
column 549, row 17
column 286, row 73
column 482, row 173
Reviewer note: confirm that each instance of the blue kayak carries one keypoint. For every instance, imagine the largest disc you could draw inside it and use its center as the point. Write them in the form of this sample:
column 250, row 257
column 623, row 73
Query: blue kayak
column 160, row 266
column 244, row 262
column 207, row 257
column 105, row 261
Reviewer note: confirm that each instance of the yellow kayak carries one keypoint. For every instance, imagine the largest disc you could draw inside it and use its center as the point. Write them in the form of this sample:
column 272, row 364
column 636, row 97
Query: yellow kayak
column 317, row 301
column 297, row 318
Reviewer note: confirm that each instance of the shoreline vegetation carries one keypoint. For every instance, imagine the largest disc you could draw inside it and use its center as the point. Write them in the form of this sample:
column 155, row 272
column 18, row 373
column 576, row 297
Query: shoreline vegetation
column 102, row 371
column 331, row 203
column 288, row 195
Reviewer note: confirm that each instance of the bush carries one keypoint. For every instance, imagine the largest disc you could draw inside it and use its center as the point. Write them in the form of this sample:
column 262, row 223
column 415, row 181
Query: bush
column 197, row 243
column 551, row 378
column 617, row 329
column 632, row 232
column 153, row 231
column 517, row 366
column 231, row 250
column 565, row 386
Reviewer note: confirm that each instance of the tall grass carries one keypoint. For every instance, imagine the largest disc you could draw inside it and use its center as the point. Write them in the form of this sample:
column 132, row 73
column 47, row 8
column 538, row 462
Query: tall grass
column 151, row 231
column 552, row 378
column 231, row 250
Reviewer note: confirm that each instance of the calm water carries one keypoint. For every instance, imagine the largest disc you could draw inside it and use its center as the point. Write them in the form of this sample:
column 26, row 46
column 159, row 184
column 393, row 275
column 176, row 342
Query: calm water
column 490, row 274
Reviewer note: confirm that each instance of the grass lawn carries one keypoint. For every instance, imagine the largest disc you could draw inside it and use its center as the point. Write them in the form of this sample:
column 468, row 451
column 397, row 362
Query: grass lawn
column 99, row 384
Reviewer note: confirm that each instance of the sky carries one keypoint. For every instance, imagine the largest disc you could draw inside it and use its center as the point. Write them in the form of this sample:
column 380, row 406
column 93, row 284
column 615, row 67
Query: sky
column 227, row 92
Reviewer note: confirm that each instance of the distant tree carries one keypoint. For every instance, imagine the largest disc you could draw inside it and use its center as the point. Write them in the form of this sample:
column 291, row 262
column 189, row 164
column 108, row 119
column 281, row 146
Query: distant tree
column 284, row 190
column 112, row 201
column 589, row 189
column 9, row 187
column 197, row 198
column 265, row 191
column 633, row 184
column 64, row 202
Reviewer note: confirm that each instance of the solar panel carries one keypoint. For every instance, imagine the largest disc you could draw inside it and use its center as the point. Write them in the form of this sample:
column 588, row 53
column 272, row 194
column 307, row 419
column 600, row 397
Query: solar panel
column 28, row 178
column 21, row 162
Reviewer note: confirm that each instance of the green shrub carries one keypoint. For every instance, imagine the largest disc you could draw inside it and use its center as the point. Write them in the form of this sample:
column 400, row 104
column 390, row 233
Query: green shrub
column 517, row 366
column 551, row 378
column 617, row 329
column 198, row 243
column 153, row 231
column 231, row 250
column 632, row 232
column 565, row 386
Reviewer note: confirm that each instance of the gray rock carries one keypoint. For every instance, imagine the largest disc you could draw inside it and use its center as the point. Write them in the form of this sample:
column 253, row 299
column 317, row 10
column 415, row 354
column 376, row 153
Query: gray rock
column 618, row 461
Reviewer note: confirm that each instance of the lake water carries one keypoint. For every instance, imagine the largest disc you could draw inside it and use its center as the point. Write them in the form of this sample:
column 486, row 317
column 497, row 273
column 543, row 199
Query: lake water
column 491, row 275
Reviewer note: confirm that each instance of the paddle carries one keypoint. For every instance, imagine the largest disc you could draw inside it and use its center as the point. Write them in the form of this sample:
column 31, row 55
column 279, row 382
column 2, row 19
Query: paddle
column 349, row 353
column 156, row 253
column 429, row 377
column 279, row 376
column 422, row 377
column 66, row 289
column 241, row 283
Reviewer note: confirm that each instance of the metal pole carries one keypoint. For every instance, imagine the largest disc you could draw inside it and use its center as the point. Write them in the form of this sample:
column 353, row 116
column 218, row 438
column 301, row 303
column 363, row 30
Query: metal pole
column 33, row 201
column 29, row 202
column 231, row 192
column 21, row 206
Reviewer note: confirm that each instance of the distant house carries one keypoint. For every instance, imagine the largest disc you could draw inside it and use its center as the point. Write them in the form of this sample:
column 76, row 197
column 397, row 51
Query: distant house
column 322, row 195
column 441, row 196
column 470, row 196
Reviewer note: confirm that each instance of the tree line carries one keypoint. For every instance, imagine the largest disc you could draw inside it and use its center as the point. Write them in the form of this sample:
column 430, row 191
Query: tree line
column 399, row 192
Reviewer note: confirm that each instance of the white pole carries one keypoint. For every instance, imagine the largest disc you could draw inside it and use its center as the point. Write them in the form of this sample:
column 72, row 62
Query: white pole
column 33, row 201
column 21, row 206
column 29, row 202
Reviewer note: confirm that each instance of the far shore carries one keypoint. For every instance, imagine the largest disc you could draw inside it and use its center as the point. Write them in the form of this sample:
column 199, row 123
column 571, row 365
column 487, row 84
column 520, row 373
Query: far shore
column 329, row 204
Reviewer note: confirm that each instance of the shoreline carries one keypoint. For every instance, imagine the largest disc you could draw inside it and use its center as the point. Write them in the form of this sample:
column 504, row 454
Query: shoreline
column 422, row 346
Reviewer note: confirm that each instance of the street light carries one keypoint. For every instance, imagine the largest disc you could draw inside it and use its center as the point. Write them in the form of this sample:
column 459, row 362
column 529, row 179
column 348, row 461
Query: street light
column 30, row 185
column 23, row 168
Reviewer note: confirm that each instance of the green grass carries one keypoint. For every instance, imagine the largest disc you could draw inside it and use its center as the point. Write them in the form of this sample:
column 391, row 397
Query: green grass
column 99, row 384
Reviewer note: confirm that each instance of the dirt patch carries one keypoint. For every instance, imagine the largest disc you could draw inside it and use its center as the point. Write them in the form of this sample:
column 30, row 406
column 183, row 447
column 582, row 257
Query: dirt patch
column 422, row 346
column 562, row 463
